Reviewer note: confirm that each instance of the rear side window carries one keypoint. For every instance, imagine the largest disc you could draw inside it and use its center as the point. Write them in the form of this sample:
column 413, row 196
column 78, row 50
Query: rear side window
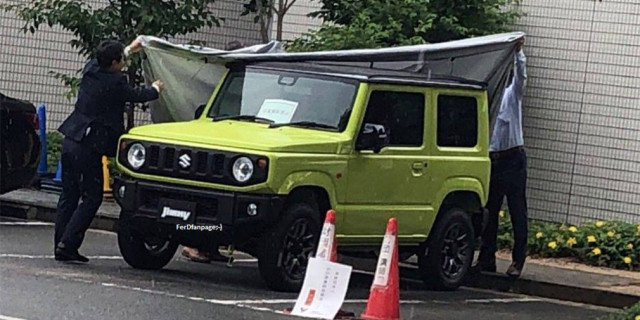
column 457, row 121
column 402, row 115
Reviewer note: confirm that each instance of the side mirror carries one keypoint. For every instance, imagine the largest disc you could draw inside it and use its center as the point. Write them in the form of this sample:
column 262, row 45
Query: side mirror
column 199, row 111
column 373, row 137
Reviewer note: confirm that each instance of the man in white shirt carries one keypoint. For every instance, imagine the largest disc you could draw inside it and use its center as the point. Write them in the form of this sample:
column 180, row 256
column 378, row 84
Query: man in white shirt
column 508, row 173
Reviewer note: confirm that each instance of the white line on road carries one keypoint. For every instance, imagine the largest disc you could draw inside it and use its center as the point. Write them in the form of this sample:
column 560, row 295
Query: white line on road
column 25, row 223
column 26, row 256
column 9, row 318
column 503, row 300
column 248, row 304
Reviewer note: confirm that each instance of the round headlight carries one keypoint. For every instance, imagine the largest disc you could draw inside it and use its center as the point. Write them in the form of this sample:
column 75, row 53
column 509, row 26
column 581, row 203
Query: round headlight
column 136, row 156
column 242, row 169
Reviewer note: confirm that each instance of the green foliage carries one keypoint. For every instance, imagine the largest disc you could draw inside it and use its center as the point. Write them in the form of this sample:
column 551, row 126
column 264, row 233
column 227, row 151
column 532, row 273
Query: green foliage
column 630, row 313
column 351, row 24
column 54, row 149
column 118, row 19
column 609, row 244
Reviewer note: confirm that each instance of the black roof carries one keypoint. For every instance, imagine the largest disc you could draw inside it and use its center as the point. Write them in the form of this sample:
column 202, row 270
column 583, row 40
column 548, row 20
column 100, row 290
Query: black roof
column 363, row 71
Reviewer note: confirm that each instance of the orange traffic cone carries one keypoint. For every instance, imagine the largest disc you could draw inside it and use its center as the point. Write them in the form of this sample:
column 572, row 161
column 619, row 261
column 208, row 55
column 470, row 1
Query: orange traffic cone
column 384, row 298
column 327, row 246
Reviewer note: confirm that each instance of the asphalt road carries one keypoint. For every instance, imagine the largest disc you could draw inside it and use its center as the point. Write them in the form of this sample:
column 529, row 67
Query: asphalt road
column 34, row 286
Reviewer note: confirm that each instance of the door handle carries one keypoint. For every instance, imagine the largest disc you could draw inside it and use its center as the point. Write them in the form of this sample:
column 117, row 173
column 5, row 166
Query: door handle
column 419, row 165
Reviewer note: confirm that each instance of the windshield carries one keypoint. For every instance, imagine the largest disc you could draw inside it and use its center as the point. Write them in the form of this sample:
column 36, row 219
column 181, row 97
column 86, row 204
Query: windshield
column 286, row 97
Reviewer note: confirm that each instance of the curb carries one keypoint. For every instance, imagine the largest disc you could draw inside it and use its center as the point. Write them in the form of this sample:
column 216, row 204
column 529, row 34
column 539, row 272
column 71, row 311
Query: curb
column 29, row 212
column 495, row 282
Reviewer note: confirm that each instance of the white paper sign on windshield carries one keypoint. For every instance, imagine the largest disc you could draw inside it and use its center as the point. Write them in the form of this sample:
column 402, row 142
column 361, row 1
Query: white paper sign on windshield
column 324, row 289
column 280, row 111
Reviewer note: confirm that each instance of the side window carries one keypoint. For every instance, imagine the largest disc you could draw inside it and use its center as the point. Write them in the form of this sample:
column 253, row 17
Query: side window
column 402, row 115
column 457, row 121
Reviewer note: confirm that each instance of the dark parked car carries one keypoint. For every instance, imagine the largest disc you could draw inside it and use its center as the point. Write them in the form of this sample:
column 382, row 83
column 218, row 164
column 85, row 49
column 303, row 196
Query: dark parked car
column 19, row 143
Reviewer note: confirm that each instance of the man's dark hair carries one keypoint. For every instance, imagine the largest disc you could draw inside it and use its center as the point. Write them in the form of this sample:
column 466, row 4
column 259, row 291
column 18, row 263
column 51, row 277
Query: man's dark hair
column 234, row 45
column 108, row 51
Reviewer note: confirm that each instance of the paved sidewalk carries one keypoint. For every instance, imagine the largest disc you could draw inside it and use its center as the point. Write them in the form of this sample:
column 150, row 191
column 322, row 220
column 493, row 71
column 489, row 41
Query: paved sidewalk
column 550, row 278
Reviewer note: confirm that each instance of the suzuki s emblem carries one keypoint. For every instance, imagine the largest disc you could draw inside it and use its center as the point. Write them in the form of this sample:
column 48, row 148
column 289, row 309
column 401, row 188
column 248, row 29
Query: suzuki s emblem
column 185, row 161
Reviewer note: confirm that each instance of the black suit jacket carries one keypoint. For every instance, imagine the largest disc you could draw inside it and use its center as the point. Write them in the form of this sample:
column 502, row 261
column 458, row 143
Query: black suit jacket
column 98, row 118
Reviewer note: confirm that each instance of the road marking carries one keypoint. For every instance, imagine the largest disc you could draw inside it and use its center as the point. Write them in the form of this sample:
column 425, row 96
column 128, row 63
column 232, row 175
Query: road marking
column 9, row 318
column 247, row 304
column 26, row 256
column 503, row 300
column 25, row 223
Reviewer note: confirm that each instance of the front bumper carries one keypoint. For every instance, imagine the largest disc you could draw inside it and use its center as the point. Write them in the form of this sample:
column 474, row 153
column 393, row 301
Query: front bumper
column 147, row 200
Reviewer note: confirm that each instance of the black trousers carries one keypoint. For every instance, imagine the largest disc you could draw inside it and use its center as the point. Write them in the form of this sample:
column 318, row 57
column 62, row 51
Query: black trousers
column 508, row 178
column 82, row 177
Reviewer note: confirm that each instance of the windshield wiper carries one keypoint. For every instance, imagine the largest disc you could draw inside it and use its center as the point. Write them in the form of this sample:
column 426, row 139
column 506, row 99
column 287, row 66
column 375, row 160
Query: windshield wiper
column 308, row 124
column 243, row 117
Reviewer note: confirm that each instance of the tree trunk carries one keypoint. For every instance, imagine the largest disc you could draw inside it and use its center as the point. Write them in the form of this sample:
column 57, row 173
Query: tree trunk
column 279, row 26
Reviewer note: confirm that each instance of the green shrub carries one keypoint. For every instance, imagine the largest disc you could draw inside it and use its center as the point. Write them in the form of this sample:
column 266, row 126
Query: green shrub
column 54, row 149
column 609, row 244
column 630, row 313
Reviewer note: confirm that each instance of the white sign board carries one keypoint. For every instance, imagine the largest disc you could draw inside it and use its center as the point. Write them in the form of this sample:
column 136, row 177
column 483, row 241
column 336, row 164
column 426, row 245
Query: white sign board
column 384, row 261
column 324, row 289
column 280, row 111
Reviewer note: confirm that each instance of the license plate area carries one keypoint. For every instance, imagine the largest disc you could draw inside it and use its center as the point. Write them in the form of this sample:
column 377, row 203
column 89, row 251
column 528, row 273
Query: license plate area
column 176, row 211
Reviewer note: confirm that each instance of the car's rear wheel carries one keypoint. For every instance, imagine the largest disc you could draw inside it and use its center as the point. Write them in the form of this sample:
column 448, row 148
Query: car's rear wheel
column 144, row 252
column 287, row 247
column 445, row 258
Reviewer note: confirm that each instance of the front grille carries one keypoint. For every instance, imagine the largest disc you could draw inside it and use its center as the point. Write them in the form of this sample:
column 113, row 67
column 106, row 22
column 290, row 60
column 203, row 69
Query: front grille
column 195, row 164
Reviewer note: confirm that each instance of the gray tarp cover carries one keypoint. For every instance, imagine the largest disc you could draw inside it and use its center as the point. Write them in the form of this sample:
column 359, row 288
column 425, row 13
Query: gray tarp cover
column 190, row 73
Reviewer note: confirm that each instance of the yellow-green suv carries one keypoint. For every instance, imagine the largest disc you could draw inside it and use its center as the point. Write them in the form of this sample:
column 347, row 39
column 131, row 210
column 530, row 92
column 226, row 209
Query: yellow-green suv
column 278, row 144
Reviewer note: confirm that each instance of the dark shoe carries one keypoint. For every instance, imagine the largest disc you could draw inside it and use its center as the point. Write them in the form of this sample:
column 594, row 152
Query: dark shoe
column 66, row 255
column 515, row 269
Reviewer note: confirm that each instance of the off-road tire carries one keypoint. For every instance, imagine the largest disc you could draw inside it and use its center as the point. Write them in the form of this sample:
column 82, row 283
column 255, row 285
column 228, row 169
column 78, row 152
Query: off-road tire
column 278, row 251
column 137, row 253
column 437, row 273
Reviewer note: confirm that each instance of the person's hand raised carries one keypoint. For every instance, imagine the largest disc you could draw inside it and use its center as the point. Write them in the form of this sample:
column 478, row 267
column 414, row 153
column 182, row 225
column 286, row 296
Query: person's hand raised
column 158, row 85
column 135, row 46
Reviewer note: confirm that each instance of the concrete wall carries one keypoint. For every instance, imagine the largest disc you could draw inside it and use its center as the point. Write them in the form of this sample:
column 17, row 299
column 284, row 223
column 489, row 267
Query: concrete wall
column 582, row 112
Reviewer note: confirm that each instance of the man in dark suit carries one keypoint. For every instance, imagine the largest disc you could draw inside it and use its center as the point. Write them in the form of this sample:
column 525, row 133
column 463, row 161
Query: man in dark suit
column 91, row 131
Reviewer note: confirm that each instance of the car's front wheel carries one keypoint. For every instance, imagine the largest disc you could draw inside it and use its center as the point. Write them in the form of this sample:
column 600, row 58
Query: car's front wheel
column 445, row 258
column 142, row 252
column 287, row 246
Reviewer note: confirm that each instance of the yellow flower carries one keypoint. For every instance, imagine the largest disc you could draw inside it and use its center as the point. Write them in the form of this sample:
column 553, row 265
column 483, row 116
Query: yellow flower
column 591, row 239
column 553, row 245
column 596, row 251
column 638, row 317
column 501, row 213
column 627, row 260
column 573, row 229
column 539, row 235
column 599, row 224
column 572, row 241
column 630, row 246
column 611, row 234
column 638, row 233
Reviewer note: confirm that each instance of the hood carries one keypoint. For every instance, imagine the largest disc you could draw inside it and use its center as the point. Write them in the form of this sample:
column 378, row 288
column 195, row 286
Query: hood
column 244, row 135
